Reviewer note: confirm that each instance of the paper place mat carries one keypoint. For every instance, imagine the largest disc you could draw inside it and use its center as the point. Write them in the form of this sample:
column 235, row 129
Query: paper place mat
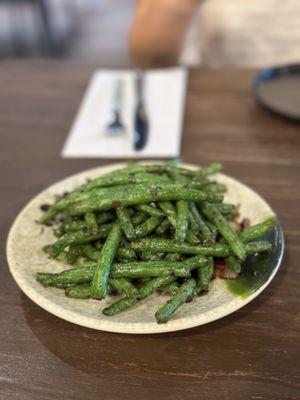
column 164, row 99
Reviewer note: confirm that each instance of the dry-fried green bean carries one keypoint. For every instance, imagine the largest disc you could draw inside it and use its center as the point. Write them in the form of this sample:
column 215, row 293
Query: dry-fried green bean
column 76, row 237
column 206, row 234
column 143, row 195
column 93, row 254
column 185, row 292
column 182, row 221
column 130, row 270
column 171, row 288
column 170, row 211
column 125, row 286
column 120, row 305
column 153, row 211
column 139, row 217
column 146, row 290
column 160, row 245
column 80, row 291
column 256, row 231
column 205, row 274
column 104, row 217
column 163, row 227
column 213, row 214
column 147, row 227
column 126, row 223
column 91, row 222
column 233, row 264
column 108, row 252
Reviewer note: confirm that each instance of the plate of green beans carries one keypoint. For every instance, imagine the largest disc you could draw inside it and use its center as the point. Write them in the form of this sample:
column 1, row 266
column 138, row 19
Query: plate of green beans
column 145, row 247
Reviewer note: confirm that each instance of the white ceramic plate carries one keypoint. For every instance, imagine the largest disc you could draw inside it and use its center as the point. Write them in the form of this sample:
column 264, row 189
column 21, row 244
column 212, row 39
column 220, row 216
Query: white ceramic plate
column 25, row 257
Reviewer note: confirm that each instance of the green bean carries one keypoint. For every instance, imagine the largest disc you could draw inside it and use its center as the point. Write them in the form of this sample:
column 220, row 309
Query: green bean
column 72, row 226
column 208, row 236
column 213, row 229
column 185, row 293
column 83, row 290
column 192, row 223
column 143, row 195
column 151, row 257
column 153, row 211
column 205, row 274
column 130, row 270
column 191, row 238
column 210, row 169
column 80, row 291
column 147, row 227
column 216, row 187
column 145, row 269
column 73, row 253
column 108, row 252
column 91, row 222
column 182, row 221
column 213, row 214
column 171, row 289
column 59, row 231
column 154, row 284
column 170, row 211
column 257, row 247
column 256, row 231
column 126, row 224
column 163, row 227
column 233, row 264
column 123, row 177
column 227, row 209
column 77, row 237
column 149, row 269
column 92, row 253
column 123, row 285
column 138, row 218
column 174, row 257
column 120, row 305
column 62, row 256
column 146, row 290
column 160, row 245
column 176, row 177
column 104, row 217
column 161, row 169
column 82, row 262
column 69, row 276
column 89, row 191
column 63, row 286
column 127, row 254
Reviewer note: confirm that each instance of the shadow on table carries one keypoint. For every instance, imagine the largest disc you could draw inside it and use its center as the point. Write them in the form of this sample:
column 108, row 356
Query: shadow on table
column 98, row 353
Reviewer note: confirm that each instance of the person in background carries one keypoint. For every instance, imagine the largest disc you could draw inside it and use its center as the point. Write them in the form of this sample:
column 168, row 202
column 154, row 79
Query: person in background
column 215, row 32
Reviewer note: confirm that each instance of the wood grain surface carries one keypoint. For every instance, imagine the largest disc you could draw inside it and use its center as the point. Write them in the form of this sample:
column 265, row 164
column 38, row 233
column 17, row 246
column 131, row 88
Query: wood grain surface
column 251, row 354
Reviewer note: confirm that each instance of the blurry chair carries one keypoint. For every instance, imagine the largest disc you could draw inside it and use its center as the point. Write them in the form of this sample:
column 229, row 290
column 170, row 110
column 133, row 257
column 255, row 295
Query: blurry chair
column 39, row 27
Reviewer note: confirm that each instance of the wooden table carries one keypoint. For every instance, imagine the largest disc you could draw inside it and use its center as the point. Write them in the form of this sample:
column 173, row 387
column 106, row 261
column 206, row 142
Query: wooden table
column 252, row 354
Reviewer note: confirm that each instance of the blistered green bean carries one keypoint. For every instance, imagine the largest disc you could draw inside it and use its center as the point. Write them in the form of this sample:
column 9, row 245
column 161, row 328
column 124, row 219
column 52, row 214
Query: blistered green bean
column 108, row 253
column 185, row 292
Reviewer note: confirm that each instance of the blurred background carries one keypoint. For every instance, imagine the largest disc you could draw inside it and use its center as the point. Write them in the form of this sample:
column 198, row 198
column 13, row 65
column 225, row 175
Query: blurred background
column 119, row 33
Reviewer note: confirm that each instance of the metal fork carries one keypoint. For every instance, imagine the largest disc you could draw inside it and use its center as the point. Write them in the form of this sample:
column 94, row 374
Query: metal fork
column 116, row 126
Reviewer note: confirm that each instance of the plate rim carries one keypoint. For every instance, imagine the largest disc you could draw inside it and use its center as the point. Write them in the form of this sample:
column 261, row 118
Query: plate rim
column 118, row 327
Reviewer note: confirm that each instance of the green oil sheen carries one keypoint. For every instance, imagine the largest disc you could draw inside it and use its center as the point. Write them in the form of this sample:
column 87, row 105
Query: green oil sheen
column 257, row 269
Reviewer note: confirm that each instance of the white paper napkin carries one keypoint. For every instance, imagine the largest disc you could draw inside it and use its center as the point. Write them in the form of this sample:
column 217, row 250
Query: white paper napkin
column 164, row 98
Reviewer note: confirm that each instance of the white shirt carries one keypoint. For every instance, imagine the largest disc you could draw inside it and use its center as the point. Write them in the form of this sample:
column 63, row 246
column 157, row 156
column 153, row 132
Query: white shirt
column 244, row 33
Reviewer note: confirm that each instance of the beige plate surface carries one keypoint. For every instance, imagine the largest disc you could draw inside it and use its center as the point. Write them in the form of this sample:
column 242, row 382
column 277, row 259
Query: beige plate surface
column 25, row 258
